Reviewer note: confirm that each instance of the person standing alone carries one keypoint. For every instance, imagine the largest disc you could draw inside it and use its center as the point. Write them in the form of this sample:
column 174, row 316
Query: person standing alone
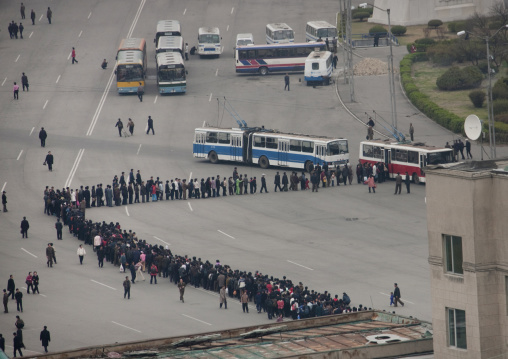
column 22, row 11
column 49, row 15
column 32, row 16
column 398, row 183
column 73, row 54
column 81, row 253
column 286, row 82
column 181, row 288
column 411, row 131
column 396, row 295
column 15, row 90
column 49, row 161
column 407, row 181
column 42, row 136
column 4, row 201
column 24, row 228
column 59, row 227
column 127, row 288
column 150, row 125
column 24, row 82
column 45, row 338
column 140, row 92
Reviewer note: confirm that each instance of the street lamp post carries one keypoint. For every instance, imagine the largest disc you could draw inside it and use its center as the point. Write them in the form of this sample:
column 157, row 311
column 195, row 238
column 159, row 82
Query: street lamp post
column 490, row 103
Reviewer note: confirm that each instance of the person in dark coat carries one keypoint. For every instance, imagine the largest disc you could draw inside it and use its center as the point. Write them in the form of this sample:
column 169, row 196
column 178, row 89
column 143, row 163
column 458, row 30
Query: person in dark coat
column 42, row 135
column 11, row 286
column 24, row 228
column 4, row 201
column 32, row 16
column 17, row 344
column 276, row 182
column 49, row 161
column 2, row 343
column 24, row 78
column 45, row 338
column 407, row 181
column 285, row 182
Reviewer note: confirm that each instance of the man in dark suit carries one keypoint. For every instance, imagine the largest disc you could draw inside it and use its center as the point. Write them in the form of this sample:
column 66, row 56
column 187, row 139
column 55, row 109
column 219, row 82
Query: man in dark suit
column 49, row 161
column 45, row 338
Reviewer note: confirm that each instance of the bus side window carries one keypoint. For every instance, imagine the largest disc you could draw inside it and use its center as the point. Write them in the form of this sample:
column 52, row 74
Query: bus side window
column 378, row 152
column 308, row 146
column 211, row 137
column 271, row 142
column 259, row 141
column 224, row 137
column 295, row 145
column 412, row 157
column 367, row 150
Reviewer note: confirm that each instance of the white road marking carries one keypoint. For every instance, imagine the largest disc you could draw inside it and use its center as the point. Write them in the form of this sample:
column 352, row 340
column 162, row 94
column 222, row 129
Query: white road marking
column 103, row 284
column 95, row 117
column 154, row 101
column 126, row 326
column 188, row 316
column 216, row 72
column 17, row 58
column 58, row 79
column 45, row 104
column 24, row 250
column 146, row 127
column 225, row 234
column 89, row 14
column 185, row 11
column 17, row 159
column 223, row 49
column 31, row 34
column 232, row 9
column 127, row 211
column 190, row 207
column 43, row 295
column 139, row 148
column 81, row 32
column 68, row 57
column 157, row 238
column 74, row 168
column 136, row 18
column 227, row 28
column 3, row 187
column 210, row 99
column 405, row 300
column 4, row 81
column 190, row 176
column 204, row 122
column 299, row 265
column 40, row 17
column 33, row 128
column 31, row 351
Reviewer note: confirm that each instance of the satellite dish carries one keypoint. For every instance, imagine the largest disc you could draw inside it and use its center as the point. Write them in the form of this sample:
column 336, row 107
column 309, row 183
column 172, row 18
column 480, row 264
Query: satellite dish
column 473, row 127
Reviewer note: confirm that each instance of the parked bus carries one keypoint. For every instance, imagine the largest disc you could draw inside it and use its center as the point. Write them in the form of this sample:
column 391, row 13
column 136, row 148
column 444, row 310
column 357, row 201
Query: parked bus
column 171, row 73
column 404, row 157
column 131, row 65
column 263, row 59
column 167, row 28
column 323, row 30
column 268, row 147
column 279, row 33
column 209, row 41
column 170, row 44
column 318, row 68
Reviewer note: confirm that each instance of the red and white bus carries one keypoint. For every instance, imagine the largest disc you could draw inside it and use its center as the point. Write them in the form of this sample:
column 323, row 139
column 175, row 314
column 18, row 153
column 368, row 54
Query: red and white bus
column 404, row 157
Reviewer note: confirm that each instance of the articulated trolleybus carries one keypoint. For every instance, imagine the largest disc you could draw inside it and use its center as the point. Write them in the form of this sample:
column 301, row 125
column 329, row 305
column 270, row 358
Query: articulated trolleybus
column 268, row 147
column 131, row 65
column 404, row 157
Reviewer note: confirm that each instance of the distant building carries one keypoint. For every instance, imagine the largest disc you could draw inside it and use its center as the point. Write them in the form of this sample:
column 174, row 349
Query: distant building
column 418, row 12
column 467, row 218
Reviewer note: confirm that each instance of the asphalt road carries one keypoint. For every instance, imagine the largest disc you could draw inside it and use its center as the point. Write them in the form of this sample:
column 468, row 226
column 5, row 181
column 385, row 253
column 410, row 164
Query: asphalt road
column 340, row 239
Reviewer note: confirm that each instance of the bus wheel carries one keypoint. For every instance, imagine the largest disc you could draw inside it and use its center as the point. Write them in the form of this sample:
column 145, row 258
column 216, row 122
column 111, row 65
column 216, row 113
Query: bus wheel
column 308, row 165
column 212, row 156
column 416, row 179
column 263, row 71
column 263, row 162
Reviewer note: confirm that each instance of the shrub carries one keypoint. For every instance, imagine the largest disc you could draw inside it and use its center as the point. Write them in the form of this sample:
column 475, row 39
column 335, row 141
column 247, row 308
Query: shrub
column 494, row 25
column 377, row 29
column 360, row 15
column 473, row 76
column 434, row 23
column 425, row 41
column 451, row 26
column 477, row 97
column 421, row 44
column 456, row 26
column 460, row 79
column 442, row 54
column 502, row 117
column 500, row 89
column 484, row 67
column 398, row 30
column 500, row 106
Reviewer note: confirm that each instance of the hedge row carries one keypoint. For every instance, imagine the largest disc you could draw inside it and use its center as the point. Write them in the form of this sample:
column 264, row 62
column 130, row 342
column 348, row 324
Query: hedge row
column 440, row 115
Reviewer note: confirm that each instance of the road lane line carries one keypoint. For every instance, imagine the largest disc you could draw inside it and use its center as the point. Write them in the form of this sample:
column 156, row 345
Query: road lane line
column 210, row 99
column 33, row 255
column 89, row 14
column 136, row 18
column 43, row 295
column 45, row 104
column 17, row 159
column 227, row 28
column 190, row 207
column 68, row 57
column 33, row 128
column 4, row 81
column 126, row 326
column 31, row 34
column 80, row 33
column 17, row 58
column 103, row 284
column 157, row 238
column 41, row 17
column 31, row 351
column 190, row 176
column 232, row 9
column 185, row 11
column 154, row 101
column 388, row 295
column 216, row 72
column 58, row 79
column 299, row 265
column 222, row 49
column 204, row 123
column 74, row 168
column 188, row 316
column 139, row 148
column 3, row 187
column 127, row 211
column 225, row 234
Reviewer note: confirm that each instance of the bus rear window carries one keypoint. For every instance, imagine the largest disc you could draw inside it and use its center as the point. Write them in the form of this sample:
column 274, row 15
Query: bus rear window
column 315, row 65
column 211, row 137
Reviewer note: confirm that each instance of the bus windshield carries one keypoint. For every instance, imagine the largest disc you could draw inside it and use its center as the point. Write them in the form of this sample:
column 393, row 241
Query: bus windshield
column 244, row 42
column 436, row 158
column 209, row 39
column 129, row 73
column 283, row 34
column 327, row 33
column 337, row 148
column 171, row 74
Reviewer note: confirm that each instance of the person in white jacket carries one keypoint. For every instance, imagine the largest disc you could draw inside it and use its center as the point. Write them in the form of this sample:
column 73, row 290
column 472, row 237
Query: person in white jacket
column 81, row 253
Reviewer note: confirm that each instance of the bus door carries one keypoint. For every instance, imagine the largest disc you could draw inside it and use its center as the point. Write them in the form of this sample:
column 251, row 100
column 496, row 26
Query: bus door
column 388, row 160
column 423, row 163
column 236, row 148
column 200, row 144
column 321, row 153
column 283, row 152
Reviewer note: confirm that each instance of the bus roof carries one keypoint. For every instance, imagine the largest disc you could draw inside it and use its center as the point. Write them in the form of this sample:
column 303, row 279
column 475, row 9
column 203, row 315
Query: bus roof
column 407, row 146
column 320, row 24
column 168, row 26
column 129, row 57
column 208, row 30
column 169, row 58
column 269, row 133
column 279, row 26
column 318, row 55
column 170, row 42
column 286, row 44
column 132, row 44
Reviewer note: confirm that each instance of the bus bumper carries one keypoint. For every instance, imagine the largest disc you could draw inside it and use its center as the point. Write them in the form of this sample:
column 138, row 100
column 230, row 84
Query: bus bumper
column 169, row 90
column 127, row 89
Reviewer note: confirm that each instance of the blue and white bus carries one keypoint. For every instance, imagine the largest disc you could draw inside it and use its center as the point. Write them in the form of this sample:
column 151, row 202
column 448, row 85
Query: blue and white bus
column 318, row 68
column 264, row 59
column 279, row 33
column 323, row 30
column 171, row 73
column 268, row 147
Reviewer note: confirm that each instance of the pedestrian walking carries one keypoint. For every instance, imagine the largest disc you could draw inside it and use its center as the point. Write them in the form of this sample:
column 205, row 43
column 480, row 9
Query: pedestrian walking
column 371, row 183
column 186, row 52
column 35, row 283
column 32, row 16
column 45, row 338
column 181, row 289
column 24, row 228
column 21, row 28
column 411, row 131
column 19, row 300
column 81, row 253
column 5, row 300
column 140, row 92
column 263, row 184
column 24, row 81
column 15, row 29
column 245, row 301
column 397, row 296
column 49, row 255
column 286, row 82
column 22, row 10
column 11, row 286
column 4, row 201
column 42, row 136
column 119, row 124
column 49, row 161
column 73, row 55
column 29, row 283
column 15, row 90
column 468, row 149
column 398, row 183
column 153, row 273
column 335, row 59
column 130, row 126
column 150, row 125
column 58, row 227
column 407, row 181
column 127, row 288
column 49, row 15
column 17, row 344
column 223, row 299
column 11, row 35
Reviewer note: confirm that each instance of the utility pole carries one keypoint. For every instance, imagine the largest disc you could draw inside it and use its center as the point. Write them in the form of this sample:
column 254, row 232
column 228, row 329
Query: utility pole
column 350, row 52
column 392, row 75
column 342, row 32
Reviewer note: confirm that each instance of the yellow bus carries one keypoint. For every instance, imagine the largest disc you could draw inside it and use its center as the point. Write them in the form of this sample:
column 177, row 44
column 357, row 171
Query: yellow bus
column 131, row 65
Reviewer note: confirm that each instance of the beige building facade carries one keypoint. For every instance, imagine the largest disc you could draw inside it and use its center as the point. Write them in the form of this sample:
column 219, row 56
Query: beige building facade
column 467, row 218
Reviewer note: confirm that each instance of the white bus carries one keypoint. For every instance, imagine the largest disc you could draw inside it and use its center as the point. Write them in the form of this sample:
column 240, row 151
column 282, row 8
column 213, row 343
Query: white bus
column 170, row 44
column 167, row 28
column 209, row 41
column 404, row 157
column 323, row 30
column 171, row 73
column 318, row 68
column 279, row 33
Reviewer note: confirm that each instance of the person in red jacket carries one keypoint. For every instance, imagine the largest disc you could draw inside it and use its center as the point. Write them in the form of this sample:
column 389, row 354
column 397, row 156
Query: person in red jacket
column 73, row 55
column 153, row 273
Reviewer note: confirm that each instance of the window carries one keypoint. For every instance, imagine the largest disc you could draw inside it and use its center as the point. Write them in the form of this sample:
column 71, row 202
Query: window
column 295, row 145
column 400, row 155
column 308, row 146
column 315, row 65
column 259, row 141
column 412, row 157
column 211, row 137
column 367, row 150
column 224, row 137
column 378, row 152
column 453, row 249
column 457, row 328
column 271, row 142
